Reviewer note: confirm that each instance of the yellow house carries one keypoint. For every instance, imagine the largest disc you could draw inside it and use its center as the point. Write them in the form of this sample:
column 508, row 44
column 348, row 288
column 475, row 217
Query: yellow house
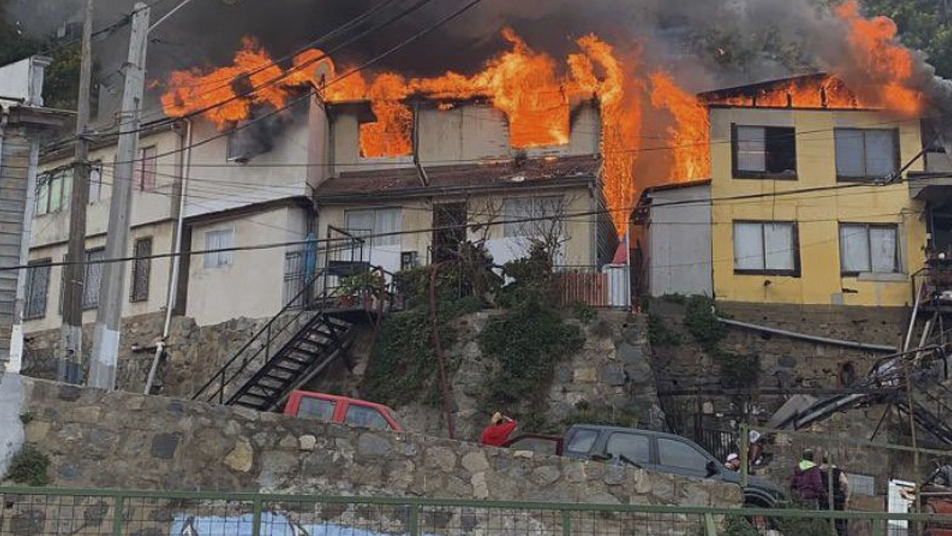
column 807, row 204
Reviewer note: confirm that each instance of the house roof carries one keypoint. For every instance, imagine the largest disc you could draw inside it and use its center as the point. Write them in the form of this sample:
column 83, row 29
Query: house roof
column 460, row 179
column 751, row 89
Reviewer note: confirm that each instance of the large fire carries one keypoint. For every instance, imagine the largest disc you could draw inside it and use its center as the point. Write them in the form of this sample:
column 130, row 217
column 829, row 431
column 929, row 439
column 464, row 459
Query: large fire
column 536, row 94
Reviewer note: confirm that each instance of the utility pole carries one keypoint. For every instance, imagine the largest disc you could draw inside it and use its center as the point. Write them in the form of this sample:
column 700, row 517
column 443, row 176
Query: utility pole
column 102, row 368
column 71, row 334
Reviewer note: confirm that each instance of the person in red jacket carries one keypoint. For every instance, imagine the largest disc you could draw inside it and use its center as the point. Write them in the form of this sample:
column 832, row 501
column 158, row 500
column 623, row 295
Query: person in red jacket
column 498, row 432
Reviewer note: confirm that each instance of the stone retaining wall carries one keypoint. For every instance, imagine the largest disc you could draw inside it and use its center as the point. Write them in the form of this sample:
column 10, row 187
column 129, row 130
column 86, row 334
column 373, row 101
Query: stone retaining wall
column 121, row 440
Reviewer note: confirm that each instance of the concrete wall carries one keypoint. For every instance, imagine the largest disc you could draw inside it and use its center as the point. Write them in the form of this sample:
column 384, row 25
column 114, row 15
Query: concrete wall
column 679, row 243
column 817, row 214
column 253, row 284
column 119, row 440
column 417, row 214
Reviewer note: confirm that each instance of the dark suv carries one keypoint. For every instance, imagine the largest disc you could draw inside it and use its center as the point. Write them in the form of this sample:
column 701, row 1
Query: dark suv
column 665, row 453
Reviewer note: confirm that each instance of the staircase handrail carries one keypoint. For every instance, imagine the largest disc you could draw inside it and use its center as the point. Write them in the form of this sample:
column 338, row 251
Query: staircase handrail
column 222, row 371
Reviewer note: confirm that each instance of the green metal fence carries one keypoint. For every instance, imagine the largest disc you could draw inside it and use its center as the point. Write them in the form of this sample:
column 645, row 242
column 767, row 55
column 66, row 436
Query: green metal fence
column 82, row 512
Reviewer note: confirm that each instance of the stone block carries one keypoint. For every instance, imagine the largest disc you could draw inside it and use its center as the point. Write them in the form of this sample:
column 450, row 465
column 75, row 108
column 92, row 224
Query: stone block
column 615, row 475
column 440, row 457
column 373, row 445
column 475, row 462
column 164, row 446
column 546, row 475
column 586, row 375
column 307, row 442
column 242, row 457
column 480, row 486
column 613, row 375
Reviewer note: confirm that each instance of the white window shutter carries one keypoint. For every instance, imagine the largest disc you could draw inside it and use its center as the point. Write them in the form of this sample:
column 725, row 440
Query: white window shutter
column 748, row 246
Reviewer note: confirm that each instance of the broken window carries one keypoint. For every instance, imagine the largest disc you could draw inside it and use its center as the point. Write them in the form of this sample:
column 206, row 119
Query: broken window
column 866, row 153
column 867, row 248
column 766, row 248
column 760, row 151
column 936, row 157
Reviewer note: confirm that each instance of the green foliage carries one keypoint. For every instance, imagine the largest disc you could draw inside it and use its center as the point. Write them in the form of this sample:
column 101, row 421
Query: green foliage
column 585, row 413
column 738, row 526
column 526, row 342
column 30, row 467
column 534, row 281
column 403, row 365
column 738, row 370
column 659, row 334
column 700, row 319
column 364, row 283
column 584, row 312
column 414, row 285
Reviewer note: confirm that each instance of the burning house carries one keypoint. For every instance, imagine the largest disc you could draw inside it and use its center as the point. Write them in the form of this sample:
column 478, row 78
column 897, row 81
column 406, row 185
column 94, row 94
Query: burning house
column 813, row 198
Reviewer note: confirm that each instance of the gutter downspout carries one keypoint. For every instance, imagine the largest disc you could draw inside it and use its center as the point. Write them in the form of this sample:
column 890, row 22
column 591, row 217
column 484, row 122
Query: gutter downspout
column 176, row 260
column 812, row 338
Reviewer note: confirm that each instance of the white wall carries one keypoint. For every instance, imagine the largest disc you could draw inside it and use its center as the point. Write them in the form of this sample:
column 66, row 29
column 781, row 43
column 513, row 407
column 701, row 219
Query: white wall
column 161, row 234
column 679, row 243
column 23, row 80
column 252, row 286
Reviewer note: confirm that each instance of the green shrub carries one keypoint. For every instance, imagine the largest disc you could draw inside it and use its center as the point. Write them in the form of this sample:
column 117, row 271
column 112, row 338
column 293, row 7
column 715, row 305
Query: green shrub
column 700, row 319
column 738, row 526
column 29, row 467
column 526, row 342
column 659, row 334
column 584, row 312
column 403, row 367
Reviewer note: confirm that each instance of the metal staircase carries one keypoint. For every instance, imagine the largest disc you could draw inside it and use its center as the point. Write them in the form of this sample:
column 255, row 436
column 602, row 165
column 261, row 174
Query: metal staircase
column 313, row 330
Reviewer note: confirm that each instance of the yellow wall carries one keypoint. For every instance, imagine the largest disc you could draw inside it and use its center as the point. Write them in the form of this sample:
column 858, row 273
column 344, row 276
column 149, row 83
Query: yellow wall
column 817, row 214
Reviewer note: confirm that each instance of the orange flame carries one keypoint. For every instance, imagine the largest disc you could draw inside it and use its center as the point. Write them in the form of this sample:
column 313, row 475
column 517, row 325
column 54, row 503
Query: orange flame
column 886, row 66
column 690, row 135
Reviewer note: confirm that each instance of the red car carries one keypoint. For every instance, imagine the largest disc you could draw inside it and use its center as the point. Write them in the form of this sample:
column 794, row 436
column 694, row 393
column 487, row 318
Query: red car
column 341, row 409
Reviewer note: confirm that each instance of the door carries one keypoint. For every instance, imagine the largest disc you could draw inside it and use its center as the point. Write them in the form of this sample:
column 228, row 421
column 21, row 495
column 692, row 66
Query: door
column 449, row 231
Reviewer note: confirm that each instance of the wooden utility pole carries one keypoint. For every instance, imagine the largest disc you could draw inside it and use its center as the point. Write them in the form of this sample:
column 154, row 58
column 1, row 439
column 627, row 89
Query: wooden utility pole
column 71, row 334
column 105, row 354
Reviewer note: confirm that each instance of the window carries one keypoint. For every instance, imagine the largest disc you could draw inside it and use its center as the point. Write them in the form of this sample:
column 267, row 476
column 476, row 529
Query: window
column 634, row 447
column 53, row 190
column 316, row 408
column 582, row 441
column 92, row 277
column 542, row 208
column 673, row 453
column 364, row 416
column 766, row 248
column 140, row 270
column 236, row 148
column 869, row 249
column 219, row 239
column 376, row 222
column 95, row 181
column 765, row 151
column 866, row 154
column 145, row 168
column 37, row 287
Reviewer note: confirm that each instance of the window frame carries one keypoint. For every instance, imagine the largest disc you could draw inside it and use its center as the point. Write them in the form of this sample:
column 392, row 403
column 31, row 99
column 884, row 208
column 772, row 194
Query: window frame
column 223, row 259
column 897, row 154
column 374, row 241
column 142, row 171
column 95, row 171
column 88, row 255
column 795, row 272
column 144, row 263
column 738, row 173
column 45, row 184
column 898, row 259
column 34, row 265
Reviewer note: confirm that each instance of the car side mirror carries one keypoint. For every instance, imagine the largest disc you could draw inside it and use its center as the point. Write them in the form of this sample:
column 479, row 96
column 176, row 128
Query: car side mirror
column 712, row 469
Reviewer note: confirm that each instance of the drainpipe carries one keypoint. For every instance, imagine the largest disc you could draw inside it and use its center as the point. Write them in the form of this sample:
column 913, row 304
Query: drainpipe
column 176, row 260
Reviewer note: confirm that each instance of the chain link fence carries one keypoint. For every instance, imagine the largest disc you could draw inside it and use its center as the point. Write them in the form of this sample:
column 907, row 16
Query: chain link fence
column 56, row 511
